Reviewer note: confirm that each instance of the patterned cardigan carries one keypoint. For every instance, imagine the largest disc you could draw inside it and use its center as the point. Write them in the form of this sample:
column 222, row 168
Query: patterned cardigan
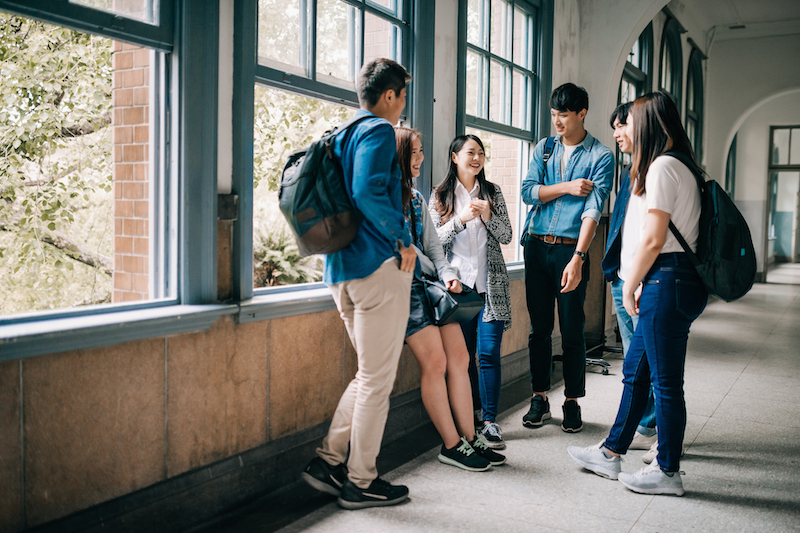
column 498, row 229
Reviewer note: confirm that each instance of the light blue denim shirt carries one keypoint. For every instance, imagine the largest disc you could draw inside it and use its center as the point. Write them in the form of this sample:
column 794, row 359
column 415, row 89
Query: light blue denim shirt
column 372, row 178
column 563, row 216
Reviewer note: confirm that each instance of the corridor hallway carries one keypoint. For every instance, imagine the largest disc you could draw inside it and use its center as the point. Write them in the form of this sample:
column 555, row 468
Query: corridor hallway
column 742, row 459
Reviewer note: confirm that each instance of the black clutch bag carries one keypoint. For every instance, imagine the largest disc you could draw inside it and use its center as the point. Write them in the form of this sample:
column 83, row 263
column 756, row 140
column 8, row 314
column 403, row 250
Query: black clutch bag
column 449, row 307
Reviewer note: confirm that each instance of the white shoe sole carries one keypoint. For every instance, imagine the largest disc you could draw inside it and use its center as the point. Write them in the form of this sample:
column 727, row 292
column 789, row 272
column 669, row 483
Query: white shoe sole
column 346, row 504
column 597, row 469
column 531, row 424
column 677, row 491
column 453, row 462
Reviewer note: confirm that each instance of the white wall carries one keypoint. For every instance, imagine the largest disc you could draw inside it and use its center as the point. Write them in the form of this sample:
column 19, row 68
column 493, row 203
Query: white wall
column 444, row 86
column 752, row 158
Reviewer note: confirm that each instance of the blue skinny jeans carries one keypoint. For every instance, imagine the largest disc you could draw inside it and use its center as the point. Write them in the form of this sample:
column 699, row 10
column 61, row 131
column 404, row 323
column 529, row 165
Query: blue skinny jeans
column 484, row 338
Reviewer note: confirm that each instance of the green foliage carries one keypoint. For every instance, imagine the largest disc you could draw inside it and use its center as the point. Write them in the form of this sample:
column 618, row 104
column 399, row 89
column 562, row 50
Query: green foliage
column 55, row 163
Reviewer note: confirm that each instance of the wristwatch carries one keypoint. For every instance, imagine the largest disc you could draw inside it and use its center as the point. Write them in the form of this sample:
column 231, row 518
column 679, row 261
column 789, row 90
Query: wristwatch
column 580, row 254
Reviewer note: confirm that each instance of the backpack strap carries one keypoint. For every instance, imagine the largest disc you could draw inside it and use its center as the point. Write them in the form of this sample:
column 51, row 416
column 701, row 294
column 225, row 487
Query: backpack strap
column 697, row 172
column 331, row 134
column 549, row 145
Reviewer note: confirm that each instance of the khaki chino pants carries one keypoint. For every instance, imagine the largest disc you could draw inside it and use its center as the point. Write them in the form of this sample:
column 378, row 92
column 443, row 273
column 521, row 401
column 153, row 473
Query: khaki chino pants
column 375, row 312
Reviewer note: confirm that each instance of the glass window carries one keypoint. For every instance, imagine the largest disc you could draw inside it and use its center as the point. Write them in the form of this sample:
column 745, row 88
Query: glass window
column 694, row 103
column 670, row 78
column 499, row 96
column 83, row 218
column 780, row 146
column 291, row 112
column 144, row 10
column 794, row 147
column 730, row 169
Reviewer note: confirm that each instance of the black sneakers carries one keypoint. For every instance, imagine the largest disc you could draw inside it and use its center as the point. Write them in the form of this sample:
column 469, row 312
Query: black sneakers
column 464, row 456
column 380, row 493
column 324, row 477
column 482, row 448
column 538, row 413
column 572, row 417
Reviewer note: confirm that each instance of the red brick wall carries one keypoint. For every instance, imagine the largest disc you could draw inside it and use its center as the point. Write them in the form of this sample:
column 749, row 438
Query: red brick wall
column 130, row 118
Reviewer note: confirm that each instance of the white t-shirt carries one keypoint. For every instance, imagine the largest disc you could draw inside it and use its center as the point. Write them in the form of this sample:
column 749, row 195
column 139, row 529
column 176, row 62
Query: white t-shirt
column 672, row 188
column 469, row 246
column 568, row 151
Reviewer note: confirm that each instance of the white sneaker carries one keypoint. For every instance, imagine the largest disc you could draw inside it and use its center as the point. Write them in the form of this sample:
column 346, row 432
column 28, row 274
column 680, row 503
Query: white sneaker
column 651, row 454
column 594, row 458
column 652, row 480
column 642, row 442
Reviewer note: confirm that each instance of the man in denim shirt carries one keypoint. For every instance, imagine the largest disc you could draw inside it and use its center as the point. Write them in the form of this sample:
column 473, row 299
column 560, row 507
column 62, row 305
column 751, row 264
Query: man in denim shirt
column 566, row 194
column 370, row 280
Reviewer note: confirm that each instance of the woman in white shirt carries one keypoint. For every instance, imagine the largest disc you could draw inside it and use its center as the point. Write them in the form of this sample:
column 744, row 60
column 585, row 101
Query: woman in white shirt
column 663, row 289
column 470, row 215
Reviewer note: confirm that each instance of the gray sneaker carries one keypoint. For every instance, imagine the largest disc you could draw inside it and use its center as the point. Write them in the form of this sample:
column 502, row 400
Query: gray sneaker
column 493, row 436
column 652, row 480
column 651, row 454
column 593, row 458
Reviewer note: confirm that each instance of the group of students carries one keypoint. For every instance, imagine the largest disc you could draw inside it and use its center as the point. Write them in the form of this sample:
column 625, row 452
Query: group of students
column 376, row 285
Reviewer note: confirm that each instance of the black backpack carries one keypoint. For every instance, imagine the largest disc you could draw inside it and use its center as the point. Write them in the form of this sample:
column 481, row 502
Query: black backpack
column 313, row 197
column 725, row 258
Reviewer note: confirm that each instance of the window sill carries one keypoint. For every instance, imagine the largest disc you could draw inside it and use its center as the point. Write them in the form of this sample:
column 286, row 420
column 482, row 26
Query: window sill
column 43, row 337
column 283, row 304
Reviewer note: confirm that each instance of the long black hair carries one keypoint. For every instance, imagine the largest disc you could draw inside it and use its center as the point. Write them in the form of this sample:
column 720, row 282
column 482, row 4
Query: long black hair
column 445, row 193
column 404, row 137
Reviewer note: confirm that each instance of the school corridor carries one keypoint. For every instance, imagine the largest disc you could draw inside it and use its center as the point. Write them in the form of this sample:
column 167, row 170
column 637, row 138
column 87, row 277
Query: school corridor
column 742, row 460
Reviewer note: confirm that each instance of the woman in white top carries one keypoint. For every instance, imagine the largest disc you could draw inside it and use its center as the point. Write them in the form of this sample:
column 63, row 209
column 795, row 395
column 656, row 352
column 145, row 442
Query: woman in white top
column 470, row 215
column 663, row 289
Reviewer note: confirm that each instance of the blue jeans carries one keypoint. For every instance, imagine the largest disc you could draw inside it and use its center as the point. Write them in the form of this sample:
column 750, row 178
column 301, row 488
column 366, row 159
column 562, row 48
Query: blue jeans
column 672, row 298
column 627, row 325
column 484, row 338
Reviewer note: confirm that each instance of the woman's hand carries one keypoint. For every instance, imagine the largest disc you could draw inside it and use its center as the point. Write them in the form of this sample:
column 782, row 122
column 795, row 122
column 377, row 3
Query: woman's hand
column 630, row 297
column 453, row 286
column 468, row 213
column 481, row 208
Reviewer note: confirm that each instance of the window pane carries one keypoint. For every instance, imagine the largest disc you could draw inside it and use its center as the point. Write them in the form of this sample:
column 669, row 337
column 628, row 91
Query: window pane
column 780, row 146
column 690, row 90
column 635, row 57
column 506, row 161
column 475, row 85
column 521, row 101
column 77, row 190
column 498, row 93
column 284, row 123
column 337, row 34
column 666, row 69
column 795, row 153
column 281, row 33
column 523, row 24
column 476, row 21
column 381, row 38
column 628, row 92
column 144, row 10
column 501, row 24
column 691, row 132
column 391, row 5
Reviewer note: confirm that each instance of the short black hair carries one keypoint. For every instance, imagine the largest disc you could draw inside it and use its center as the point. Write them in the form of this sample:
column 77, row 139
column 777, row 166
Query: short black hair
column 378, row 76
column 569, row 97
column 621, row 113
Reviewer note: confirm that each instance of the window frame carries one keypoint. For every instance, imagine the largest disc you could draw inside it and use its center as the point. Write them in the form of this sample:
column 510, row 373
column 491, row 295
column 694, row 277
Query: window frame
column 671, row 43
column 641, row 78
column 694, row 81
column 190, row 158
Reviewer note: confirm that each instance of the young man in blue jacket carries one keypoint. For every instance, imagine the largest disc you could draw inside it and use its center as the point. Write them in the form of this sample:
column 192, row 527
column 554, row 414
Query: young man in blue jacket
column 370, row 280
column 566, row 192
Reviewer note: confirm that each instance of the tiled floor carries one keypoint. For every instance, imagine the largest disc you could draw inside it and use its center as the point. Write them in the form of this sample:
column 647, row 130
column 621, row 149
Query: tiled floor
column 785, row 273
column 742, row 461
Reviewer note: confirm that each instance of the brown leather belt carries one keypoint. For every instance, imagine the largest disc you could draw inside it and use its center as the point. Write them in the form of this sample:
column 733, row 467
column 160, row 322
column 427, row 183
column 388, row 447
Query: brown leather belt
column 554, row 239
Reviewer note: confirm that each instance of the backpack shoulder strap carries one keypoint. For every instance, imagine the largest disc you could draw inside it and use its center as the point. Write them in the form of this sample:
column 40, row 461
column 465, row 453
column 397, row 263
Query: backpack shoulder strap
column 330, row 135
column 549, row 145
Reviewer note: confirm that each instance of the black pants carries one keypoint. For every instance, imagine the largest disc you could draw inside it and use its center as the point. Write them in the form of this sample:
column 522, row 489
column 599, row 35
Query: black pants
column 544, row 266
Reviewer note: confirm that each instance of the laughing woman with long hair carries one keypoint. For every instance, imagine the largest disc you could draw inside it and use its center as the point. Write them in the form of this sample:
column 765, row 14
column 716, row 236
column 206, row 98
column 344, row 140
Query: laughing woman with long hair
column 663, row 289
column 440, row 351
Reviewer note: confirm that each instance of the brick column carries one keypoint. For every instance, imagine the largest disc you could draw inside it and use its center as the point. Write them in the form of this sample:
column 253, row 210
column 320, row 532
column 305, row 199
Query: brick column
column 130, row 118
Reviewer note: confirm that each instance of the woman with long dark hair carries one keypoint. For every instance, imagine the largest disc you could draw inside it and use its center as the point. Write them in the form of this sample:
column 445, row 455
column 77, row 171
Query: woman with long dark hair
column 470, row 215
column 440, row 351
column 663, row 289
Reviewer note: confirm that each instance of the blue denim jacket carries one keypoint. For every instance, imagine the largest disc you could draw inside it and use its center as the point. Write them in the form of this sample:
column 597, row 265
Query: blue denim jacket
column 614, row 243
column 563, row 216
column 372, row 178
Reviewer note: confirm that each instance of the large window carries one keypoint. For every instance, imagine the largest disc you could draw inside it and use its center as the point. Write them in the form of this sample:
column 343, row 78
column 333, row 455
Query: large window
column 694, row 102
column 671, row 63
column 502, row 80
column 784, row 188
column 309, row 53
column 636, row 76
column 84, row 181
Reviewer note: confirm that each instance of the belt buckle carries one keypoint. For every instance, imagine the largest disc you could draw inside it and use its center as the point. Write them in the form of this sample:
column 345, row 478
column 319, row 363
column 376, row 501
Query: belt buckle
column 549, row 239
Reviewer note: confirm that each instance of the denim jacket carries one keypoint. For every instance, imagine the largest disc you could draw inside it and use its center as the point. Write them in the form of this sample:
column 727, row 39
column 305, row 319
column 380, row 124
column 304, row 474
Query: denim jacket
column 372, row 178
column 563, row 216
column 614, row 243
